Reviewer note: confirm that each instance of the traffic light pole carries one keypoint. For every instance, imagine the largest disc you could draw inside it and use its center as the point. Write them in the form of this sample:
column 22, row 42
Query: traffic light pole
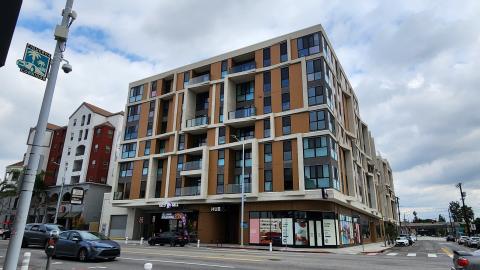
column 464, row 209
column 15, row 244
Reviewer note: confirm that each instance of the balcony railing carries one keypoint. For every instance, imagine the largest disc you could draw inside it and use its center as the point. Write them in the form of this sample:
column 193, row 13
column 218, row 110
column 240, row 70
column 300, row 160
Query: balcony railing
column 237, row 188
column 118, row 196
column 199, row 79
column 241, row 113
column 199, row 121
column 192, row 165
column 188, row 191
column 243, row 67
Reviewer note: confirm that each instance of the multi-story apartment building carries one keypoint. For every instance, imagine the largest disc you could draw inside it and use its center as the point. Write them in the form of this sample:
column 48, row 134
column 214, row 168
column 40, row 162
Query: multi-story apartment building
column 312, row 178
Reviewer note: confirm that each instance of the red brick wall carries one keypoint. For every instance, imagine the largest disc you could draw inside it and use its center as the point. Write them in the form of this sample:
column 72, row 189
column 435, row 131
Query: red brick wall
column 55, row 155
column 98, row 172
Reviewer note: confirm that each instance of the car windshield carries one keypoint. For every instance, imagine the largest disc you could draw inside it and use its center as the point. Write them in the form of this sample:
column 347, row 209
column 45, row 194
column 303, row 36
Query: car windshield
column 92, row 236
column 54, row 227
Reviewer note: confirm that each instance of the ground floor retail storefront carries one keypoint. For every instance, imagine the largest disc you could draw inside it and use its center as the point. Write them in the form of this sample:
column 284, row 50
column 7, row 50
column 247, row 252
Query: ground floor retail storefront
column 292, row 223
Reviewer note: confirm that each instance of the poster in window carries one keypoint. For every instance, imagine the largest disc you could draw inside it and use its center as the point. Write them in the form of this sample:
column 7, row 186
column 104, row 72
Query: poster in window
column 301, row 232
column 276, row 231
column 264, row 230
column 318, row 228
column 287, row 231
column 311, row 232
column 329, row 232
column 254, row 231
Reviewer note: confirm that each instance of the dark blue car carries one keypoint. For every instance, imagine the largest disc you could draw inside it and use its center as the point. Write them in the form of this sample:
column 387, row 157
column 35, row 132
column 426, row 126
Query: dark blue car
column 85, row 246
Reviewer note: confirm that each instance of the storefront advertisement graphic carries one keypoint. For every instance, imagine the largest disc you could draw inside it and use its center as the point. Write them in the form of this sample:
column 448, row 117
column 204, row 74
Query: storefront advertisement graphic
column 265, row 230
column 329, row 232
column 311, row 232
column 318, row 228
column 255, row 231
column 287, row 231
column 301, row 232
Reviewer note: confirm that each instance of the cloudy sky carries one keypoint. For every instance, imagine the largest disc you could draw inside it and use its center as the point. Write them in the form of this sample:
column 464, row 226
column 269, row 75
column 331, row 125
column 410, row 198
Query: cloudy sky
column 415, row 66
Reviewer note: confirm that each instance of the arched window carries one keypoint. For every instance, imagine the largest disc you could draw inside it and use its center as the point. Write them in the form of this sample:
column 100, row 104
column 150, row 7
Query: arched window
column 83, row 120
column 66, row 197
column 80, row 150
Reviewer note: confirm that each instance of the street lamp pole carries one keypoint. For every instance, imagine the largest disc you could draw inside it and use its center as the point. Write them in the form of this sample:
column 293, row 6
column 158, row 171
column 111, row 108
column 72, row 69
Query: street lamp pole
column 399, row 218
column 242, row 186
column 60, row 195
column 14, row 246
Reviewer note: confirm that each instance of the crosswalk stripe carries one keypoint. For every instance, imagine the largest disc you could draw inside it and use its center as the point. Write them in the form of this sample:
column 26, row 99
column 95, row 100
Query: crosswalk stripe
column 392, row 254
column 432, row 255
column 371, row 254
column 411, row 254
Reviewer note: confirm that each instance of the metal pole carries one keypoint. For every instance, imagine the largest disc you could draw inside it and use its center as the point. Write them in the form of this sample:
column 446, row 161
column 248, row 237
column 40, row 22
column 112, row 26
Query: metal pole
column 464, row 209
column 243, row 192
column 399, row 218
column 14, row 246
column 60, row 197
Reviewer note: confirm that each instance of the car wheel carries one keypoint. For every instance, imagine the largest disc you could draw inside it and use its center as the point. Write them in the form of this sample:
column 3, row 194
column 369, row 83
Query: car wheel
column 151, row 243
column 111, row 259
column 172, row 243
column 83, row 255
column 182, row 245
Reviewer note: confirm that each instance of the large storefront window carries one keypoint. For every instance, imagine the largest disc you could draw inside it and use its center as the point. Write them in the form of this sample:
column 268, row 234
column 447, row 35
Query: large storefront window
column 349, row 230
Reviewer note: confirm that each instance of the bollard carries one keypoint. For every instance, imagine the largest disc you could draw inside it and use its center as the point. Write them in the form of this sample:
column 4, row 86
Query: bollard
column 198, row 243
column 26, row 261
column 141, row 241
column 271, row 248
column 126, row 240
column 148, row 266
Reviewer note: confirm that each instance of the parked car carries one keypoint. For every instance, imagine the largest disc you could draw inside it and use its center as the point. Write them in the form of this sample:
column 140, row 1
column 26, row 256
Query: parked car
column 4, row 233
column 464, row 260
column 37, row 234
column 473, row 241
column 462, row 240
column 402, row 241
column 172, row 238
column 450, row 238
column 410, row 240
column 86, row 246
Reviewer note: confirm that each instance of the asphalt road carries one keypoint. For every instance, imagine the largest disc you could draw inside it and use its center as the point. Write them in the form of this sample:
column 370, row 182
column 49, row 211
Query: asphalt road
column 425, row 254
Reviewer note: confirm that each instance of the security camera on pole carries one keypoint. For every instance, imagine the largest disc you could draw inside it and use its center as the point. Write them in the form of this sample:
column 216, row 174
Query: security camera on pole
column 61, row 35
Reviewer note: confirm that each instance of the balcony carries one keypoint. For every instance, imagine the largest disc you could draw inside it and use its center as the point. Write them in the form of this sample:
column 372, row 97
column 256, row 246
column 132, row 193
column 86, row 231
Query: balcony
column 188, row 191
column 199, row 79
column 237, row 188
column 118, row 196
column 192, row 165
column 199, row 121
column 242, row 113
column 243, row 67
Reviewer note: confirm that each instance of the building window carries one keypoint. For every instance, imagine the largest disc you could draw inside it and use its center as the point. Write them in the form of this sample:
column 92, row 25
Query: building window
column 149, row 128
column 283, row 52
column 161, row 146
column 286, row 125
column 267, row 158
column 167, row 85
column 68, row 151
column 110, row 133
column 89, row 117
column 245, row 91
column 285, row 101
column 248, row 158
column 186, row 78
column 220, row 117
column 145, row 167
column 266, row 57
column 284, row 77
column 221, row 157
column 268, row 181
column 74, row 122
column 287, row 179
column 317, row 177
column 181, row 142
column 220, row 183
column 314, row 71
column 333, row 148
column 129, row 150
column 315, row 147
column 94, row 162
column 126, row 169
column 143, row 189
column 86, row 134
column 107, row 149
column 133, row 113
column 266, row 128
column 308, row 45
column 315, row 96
column 146, row 151
column 287, row 150
column 153, row 89
column 83, row 121
column 221, row 135
column 99, row 131
column 95, row 148
column 180, row 163
column 267, row 104
column 135, row 94
column 131, row 132
column 80, row 134
column 267, row 82
column 224, row 67
column 317, row 120
column 335, row 182
column 71, row 136
column 151, row 110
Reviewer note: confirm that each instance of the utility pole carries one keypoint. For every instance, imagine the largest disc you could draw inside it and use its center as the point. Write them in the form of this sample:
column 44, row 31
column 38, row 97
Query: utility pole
column 61, row 194
column 463, row 195
column 451, row 224
column 14, row 246
column 242, row 186
column 399, row 217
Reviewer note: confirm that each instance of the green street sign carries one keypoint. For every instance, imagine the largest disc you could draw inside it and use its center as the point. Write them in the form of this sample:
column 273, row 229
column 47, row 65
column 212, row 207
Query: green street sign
column 35, row 62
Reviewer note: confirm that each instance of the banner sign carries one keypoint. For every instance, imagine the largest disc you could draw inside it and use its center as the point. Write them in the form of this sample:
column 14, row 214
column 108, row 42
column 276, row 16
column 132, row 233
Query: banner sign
column 35, row 62
column 287, row 231
column 329, row 236
column 77, row 195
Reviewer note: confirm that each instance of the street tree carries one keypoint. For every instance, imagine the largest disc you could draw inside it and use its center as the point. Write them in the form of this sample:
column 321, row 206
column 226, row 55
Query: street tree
column 441, row 218
column 415, row 218
column 456, row 211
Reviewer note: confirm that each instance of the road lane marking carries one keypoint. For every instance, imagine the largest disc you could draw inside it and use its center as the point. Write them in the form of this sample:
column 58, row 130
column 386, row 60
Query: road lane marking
column 432, row 255
column 57, row 263
column 371, row 254
column 392, row 254
column 178, row 262
column 201, row 256
column 447, row 251
column 411, row 254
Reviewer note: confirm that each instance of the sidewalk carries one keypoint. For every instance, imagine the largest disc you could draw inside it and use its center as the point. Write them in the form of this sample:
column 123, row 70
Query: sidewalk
column 367, row 248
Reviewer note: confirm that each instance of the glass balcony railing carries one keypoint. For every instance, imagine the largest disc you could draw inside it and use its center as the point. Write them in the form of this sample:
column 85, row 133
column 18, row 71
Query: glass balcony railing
column 237, row 188
column 241, row 113
column 189, row 191
column 199, row 121
column 192, row 165
column 199, row 79
column 118, row 196
column 243, row 67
